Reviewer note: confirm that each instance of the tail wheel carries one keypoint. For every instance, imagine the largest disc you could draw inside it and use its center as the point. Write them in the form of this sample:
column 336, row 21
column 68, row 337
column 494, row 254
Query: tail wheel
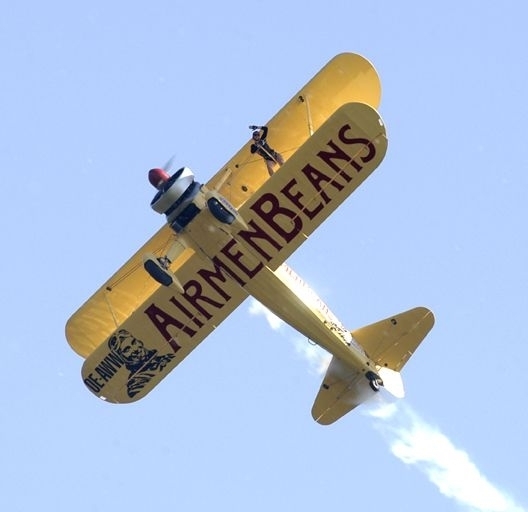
column 374, row 384
column 375, row 381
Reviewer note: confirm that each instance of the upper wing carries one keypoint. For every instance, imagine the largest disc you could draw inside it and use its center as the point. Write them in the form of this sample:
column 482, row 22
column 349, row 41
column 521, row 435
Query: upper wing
column 391, row 342
column 346, row 78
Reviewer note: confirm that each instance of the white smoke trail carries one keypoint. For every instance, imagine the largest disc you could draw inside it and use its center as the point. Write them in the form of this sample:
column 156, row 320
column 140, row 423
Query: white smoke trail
column 317, row 358
column 256, row 308
column 450, row 469
column 417, row 443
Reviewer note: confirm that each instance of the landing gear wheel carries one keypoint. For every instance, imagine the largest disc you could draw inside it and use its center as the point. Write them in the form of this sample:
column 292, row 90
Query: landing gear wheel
column 374, row 384
column 219, row 211
column 158, row 271
column 375, row 381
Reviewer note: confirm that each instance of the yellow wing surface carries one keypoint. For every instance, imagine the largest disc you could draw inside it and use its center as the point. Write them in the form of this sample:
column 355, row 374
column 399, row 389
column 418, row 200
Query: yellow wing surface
column 128, row 355
column 144, row 347
column 316, row 179
column 346, row 78
column 160, row 333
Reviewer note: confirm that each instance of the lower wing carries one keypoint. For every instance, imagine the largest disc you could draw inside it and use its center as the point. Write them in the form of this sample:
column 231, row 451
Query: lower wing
column 138, row 353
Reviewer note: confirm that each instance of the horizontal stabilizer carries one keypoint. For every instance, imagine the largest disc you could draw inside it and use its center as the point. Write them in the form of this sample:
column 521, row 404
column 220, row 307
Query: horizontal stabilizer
column 342, row 390
column 391, row 342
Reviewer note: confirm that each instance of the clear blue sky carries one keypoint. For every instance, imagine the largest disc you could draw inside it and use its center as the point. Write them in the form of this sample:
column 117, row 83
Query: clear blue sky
column 95, row 93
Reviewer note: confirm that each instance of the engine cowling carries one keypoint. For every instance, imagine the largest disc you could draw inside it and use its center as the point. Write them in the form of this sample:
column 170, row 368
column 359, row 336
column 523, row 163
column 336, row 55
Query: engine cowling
column 175, row 194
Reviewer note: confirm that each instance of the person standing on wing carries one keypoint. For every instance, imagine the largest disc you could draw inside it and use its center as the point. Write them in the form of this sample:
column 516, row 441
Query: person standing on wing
column 262, row 148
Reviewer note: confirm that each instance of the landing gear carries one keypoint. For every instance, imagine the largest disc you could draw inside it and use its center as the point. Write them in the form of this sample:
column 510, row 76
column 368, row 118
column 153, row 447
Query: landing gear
column 220, row 211
column 375, row 381
column 158, row 269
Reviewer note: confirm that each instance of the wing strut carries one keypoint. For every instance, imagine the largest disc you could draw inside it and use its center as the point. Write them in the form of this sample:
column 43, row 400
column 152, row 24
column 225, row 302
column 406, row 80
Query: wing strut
column 304, row 99
column 111, row 309
column 227, row 174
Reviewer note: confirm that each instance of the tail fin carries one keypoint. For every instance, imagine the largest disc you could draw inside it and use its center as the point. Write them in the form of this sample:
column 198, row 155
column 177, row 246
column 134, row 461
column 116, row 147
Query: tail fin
column 389, row 343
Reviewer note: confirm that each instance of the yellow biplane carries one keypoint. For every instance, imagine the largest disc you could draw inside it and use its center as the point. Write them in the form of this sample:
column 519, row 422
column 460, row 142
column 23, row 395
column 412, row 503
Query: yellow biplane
column 230, row 238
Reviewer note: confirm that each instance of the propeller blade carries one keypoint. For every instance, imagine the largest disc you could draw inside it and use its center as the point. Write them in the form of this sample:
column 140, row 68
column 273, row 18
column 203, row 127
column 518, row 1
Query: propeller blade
column 169, row 164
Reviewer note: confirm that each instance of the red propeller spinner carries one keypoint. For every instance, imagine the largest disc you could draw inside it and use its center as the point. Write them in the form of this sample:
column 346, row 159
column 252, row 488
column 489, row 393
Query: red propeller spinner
column 158, row 177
